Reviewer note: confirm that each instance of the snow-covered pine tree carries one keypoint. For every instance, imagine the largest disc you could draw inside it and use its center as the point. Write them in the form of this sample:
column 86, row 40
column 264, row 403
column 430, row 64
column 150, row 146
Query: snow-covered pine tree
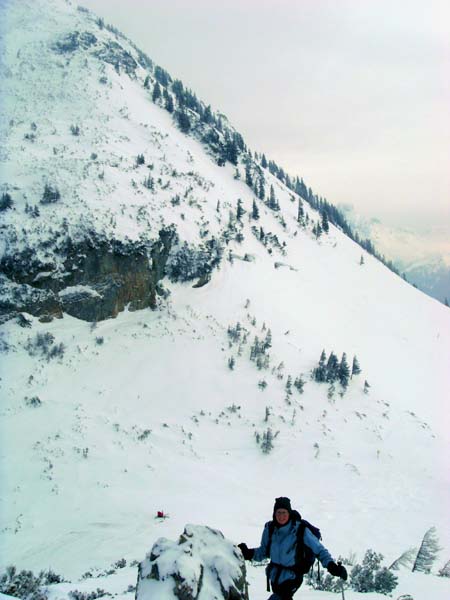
column 168, row 101
column 428, row 551
column 300, row 212
column 404, row 559
column 445, row 571
column 248, row 174
column 5, row 201
column 319, row 373
column 344, row 371
column 356, row 369
column 240, row 212
column 156, row 95
column 267, row 441
column 325, row 225
column 255, row 211
column 332, row 368
column 273, row 202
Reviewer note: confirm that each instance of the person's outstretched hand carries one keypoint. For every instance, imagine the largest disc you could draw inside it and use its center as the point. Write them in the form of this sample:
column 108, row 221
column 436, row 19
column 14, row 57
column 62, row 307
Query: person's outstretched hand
column 337, row 570
column 247, row 553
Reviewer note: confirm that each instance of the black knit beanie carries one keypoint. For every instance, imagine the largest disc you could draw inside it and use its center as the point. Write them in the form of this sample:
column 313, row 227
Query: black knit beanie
column 282, row 502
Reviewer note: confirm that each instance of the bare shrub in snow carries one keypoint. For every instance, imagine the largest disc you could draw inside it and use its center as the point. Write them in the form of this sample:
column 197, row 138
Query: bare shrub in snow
column 34, row 401
column 51, row 194
column 77, row 595
column 24, row 584
column 44, row 345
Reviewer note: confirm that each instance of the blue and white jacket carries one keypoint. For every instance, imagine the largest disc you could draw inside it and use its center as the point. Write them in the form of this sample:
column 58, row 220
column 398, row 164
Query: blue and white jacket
column 283, row 549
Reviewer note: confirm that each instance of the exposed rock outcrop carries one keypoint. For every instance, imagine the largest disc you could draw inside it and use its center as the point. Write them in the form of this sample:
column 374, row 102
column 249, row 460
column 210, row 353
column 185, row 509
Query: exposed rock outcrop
column 97, row 281
column 202, row 565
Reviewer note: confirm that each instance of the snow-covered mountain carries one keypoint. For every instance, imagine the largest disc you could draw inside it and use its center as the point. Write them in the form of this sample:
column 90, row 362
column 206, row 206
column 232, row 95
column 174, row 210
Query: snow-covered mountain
column 224, row 299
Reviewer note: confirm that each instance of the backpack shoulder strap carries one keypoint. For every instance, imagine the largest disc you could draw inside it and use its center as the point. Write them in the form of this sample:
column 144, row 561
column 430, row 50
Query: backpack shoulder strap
column 314, row 530
column 270, row 528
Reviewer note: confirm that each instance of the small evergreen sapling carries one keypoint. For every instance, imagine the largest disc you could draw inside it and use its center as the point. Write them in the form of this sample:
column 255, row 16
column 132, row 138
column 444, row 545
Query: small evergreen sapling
column 445, row 571
column 5, row 202
column 356, row 369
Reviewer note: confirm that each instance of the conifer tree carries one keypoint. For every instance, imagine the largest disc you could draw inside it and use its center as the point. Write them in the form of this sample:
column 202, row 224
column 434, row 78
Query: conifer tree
column 268, row 340
column 356, row 369
column 240, row 212
column 267, row 441
column 168, row 101
column 317, row 230
column 404, row 560
column 325, row 225
column 319, row 373
column 344, row 371
column 207, row 115
column 289, row 386
column 6, row 201
column 264, row 162
column 300, row 212
column 273, row 202
column 255, row 211
column 366, row 387
column 445, row 571
column 248, row 174
column 147, row 82
column 156, row 95
column 184, row 122
column 261, row 192
column 428, row 551
column 332, row 368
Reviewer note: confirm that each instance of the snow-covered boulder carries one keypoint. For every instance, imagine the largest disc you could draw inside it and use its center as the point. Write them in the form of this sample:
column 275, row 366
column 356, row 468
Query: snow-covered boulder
column 202, row 565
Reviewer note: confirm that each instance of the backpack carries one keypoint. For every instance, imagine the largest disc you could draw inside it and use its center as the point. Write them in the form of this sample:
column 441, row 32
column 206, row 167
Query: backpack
column 304, row 556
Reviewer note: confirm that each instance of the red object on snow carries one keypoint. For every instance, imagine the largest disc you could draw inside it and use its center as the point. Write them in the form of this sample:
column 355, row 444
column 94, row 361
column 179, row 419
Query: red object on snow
column 160, row 514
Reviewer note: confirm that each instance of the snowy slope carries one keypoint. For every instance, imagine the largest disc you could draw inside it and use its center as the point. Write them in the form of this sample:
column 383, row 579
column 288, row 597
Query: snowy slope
column 142, row 412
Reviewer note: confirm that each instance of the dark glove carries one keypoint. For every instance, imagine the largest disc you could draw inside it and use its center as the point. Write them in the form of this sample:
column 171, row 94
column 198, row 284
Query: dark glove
column 247, row 553
column 338, row 570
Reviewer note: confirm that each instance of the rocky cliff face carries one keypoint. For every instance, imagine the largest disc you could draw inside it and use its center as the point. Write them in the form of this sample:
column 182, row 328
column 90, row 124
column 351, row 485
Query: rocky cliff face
column 99, row 279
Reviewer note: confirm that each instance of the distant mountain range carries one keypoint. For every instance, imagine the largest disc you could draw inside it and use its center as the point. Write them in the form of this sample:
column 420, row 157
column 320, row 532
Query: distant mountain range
column 422, row 255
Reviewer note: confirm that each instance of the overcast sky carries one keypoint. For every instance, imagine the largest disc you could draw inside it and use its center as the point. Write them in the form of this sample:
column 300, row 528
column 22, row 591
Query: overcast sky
column 352, row 95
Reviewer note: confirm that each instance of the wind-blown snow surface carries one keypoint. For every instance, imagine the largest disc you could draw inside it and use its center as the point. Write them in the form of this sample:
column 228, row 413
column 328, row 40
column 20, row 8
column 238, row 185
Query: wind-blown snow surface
column 142, row 413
